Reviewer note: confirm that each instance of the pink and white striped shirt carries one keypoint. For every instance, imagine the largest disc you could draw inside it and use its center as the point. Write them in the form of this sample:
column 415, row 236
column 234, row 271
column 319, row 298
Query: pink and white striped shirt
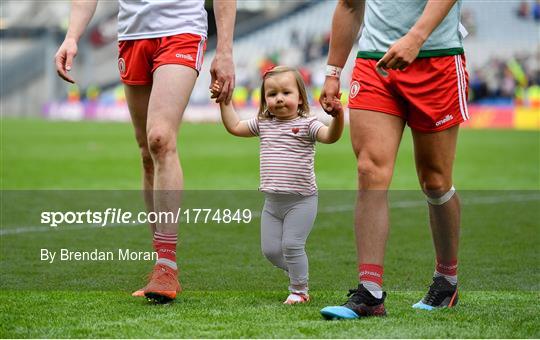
column 287, row 160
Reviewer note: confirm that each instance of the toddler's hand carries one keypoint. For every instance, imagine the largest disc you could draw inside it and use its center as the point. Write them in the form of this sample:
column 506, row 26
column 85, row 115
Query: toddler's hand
column 215, row 90
column 337, row 108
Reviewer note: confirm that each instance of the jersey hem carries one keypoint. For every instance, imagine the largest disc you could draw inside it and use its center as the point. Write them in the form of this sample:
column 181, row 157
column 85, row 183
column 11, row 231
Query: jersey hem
column 445, row 52
column 154, row 35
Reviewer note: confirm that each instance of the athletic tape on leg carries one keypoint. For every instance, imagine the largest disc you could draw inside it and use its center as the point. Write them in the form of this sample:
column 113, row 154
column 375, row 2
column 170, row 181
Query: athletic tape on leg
column 443, row 199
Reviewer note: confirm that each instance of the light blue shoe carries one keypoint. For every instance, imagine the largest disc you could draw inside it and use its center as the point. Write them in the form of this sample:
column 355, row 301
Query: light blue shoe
column 421, row 305
column 338, row 312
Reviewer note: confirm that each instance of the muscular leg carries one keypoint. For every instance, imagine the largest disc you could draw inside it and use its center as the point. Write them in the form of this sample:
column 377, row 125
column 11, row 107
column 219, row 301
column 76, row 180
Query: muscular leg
column 170, row 95
column 137, row 99
column 434, row 156
column 171, row 89
column 375, row 139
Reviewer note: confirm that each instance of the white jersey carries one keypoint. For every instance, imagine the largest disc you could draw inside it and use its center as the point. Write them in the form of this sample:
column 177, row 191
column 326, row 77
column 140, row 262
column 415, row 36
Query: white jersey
column 287, row 158
column 144, row 19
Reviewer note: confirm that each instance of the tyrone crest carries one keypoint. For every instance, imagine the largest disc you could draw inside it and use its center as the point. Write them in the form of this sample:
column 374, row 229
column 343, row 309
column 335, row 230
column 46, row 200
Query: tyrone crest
column 355, row 87
column 122, row 66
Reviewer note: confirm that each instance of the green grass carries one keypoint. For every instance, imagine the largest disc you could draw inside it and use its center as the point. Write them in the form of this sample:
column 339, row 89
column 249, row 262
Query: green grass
column 253, row 314
column 72, row 155
column 230, row 289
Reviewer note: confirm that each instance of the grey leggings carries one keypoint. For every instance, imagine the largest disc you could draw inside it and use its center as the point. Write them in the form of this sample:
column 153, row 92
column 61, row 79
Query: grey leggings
column 286, row 222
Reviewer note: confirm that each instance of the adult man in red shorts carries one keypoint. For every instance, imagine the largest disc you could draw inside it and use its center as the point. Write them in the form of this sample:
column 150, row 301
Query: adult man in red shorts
column 161, row 48
column 410, row 69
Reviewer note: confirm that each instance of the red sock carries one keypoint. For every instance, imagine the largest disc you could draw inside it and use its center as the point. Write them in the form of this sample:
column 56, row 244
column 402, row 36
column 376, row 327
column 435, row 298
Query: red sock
column 371, row 273
column 446, row 268
column 165, row 246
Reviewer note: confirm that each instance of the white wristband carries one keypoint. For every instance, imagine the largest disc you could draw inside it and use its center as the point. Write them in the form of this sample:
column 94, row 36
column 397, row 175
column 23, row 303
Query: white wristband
column 333, row 71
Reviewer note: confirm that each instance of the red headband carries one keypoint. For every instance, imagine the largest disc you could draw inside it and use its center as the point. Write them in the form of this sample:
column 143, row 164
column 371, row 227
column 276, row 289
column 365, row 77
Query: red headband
column 268, row 70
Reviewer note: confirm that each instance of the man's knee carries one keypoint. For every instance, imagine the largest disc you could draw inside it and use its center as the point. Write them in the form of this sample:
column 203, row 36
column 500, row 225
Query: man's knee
column 435, row 184
column 161, row 141
column 372, row 175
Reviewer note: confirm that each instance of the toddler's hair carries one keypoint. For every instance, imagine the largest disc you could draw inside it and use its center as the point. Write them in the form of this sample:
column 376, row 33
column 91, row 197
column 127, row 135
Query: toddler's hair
column 303, row 109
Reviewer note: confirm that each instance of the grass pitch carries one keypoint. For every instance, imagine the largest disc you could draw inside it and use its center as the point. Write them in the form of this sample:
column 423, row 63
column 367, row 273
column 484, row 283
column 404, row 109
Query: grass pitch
column 230, row 289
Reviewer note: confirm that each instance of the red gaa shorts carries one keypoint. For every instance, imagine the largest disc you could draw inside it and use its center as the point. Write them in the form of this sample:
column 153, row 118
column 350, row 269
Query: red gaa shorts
column 138, row 59
column 430, row 95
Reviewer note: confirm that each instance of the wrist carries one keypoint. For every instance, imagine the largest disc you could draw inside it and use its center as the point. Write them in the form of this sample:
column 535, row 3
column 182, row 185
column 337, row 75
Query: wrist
column 72, row 37
column 333, row 71
column 224, row 49
column 418, row 36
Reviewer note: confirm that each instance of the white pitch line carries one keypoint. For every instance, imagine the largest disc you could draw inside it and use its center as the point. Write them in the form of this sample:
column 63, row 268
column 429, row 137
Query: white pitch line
column 44, row 228
column 331, row 209
column 464, row 202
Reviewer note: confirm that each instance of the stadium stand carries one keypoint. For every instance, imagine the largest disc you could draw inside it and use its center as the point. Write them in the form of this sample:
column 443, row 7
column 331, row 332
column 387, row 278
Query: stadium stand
column 502, row 56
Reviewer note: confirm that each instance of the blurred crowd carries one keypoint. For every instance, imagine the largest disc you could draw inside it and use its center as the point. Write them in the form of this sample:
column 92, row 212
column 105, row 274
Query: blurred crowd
column 529, row 11
column 509, row 80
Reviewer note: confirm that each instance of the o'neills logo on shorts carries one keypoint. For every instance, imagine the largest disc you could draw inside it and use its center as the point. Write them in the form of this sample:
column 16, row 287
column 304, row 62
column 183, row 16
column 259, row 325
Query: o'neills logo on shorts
column 446, row 118
column 355, row 87
column 122, row 66
column 184, row 56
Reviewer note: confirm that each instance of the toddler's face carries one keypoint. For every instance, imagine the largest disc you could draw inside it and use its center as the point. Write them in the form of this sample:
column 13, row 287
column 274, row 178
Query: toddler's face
column 282, row 95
